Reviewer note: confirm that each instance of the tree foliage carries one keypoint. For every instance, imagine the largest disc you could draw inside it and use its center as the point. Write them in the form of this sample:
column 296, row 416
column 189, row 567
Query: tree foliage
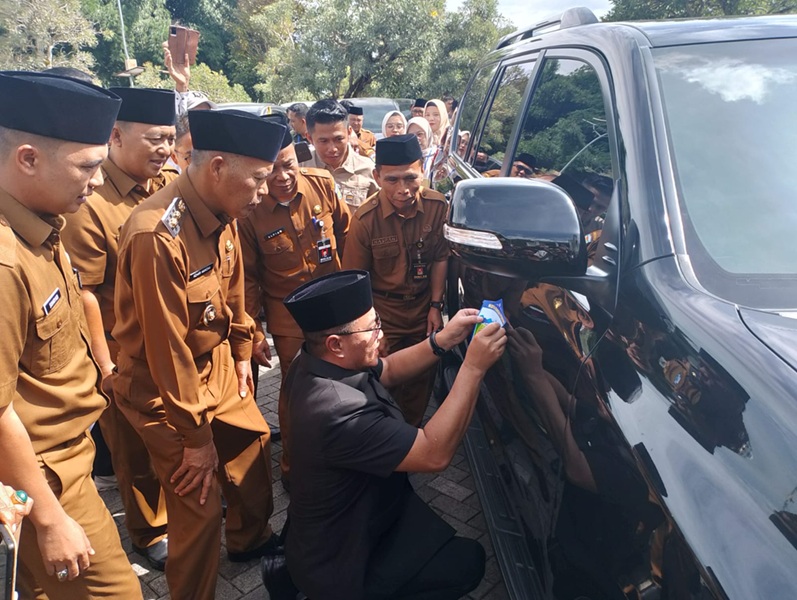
column 38, row 34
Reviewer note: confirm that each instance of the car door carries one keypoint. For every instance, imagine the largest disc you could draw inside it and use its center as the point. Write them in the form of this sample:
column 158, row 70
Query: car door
column 566, row 134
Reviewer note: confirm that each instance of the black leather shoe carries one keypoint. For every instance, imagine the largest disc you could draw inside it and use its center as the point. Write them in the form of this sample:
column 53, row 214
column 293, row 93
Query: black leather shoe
column 274, row 570
column 276, row 434
column 272, row 546
column 156, row 554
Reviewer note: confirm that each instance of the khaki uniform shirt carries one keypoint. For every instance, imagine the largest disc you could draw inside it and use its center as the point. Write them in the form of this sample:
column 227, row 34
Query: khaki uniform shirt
column 179, row 295
column 91, row 235
column 366, row 141
column 386, row 244
column 355, row 177
column 46, row 369
column 280, row 247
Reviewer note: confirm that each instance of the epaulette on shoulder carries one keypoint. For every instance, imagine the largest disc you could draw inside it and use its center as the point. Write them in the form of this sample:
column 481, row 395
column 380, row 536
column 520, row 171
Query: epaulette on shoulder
column 8, row 244
column 173, row 216
column 313, row 172
column 429, row 194
column 367, row 206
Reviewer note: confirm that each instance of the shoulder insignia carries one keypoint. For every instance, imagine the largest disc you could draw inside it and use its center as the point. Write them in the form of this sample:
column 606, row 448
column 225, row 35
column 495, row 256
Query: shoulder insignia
column 338, row 193
column 314, row 172
column 429, row 194
column 366, row 207
column 8, row 243
column 173, row 215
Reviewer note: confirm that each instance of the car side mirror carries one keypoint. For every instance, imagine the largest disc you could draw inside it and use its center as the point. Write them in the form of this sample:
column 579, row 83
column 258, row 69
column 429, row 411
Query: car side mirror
column 517, row 227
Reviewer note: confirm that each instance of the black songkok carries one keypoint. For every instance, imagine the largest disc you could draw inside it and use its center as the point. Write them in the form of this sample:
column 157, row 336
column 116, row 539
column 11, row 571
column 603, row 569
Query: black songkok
column 398, row 150
column 236, row 132
column 419, row 103
column 355, row 110
column 281, row 119
column 57, row 107
column 331, row 301
column 146, row 105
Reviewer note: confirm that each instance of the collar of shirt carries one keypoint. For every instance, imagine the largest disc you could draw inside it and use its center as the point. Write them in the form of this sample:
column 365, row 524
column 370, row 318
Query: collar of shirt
column 120, row 180
column 302, row 189
column 33, row 228
column 204, row 218
column 387, row 208
column 328, row 370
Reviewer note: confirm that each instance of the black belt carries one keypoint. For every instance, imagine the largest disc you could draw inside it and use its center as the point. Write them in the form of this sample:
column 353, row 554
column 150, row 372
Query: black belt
column 392, row 296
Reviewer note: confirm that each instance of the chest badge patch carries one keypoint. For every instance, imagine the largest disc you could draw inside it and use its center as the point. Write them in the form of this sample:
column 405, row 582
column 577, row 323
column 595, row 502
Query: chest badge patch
column 209, row 315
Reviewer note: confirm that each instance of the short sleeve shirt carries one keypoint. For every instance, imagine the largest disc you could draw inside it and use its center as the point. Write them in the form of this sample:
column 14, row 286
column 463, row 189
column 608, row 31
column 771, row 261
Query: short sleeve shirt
column 344, row 484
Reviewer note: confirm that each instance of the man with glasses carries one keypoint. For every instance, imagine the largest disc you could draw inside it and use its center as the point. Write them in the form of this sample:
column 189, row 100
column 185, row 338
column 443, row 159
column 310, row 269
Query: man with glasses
column 524, row 166
column 294, row 235
column 350, row 486
column 397, row 235
column 141, row 143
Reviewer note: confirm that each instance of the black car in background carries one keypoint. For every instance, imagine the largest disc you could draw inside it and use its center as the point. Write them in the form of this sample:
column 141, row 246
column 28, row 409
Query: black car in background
column 640, row 231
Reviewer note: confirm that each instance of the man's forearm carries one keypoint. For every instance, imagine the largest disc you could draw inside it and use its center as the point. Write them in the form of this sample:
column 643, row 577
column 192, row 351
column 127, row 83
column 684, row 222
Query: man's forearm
column 408, row 363
column 20, row 469
column 438, row 279
column 99, row 344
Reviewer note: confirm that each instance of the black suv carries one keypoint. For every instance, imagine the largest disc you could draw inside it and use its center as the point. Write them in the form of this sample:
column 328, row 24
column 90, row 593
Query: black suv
column 629, row 191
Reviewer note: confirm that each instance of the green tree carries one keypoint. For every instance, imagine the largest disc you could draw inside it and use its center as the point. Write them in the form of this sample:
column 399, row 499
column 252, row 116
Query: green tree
column 213, row 83
column 212, row 18
column 350, row 48
column 38, row 34
column 146, row 28
column 467, row 35
column 633, row 10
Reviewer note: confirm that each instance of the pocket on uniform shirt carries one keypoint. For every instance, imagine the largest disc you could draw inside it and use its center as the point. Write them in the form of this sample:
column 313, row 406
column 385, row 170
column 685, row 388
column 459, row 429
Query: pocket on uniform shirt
column 386, row 257
column 201, row 293
column 279, row 253
column 54, row 343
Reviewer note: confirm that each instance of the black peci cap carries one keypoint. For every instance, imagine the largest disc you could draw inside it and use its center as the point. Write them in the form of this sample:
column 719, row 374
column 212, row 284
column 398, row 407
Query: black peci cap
column 398, row 150
column 57, row 107
column 419, row 103
column 281, row 119
column 355, row 110
column 236, row 132
column 146, row 105
column 331, row 301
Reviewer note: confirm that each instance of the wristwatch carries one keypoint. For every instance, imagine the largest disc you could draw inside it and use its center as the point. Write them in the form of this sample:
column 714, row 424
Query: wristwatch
column 438, row 304
column 438, row 350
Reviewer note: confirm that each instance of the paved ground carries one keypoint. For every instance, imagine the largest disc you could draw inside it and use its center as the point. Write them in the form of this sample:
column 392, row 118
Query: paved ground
column 451, row 493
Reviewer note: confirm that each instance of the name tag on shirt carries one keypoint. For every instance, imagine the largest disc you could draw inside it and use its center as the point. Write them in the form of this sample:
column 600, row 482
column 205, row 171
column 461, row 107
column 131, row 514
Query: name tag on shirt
column 275, row 233
column 200, row 272
column 49, row 305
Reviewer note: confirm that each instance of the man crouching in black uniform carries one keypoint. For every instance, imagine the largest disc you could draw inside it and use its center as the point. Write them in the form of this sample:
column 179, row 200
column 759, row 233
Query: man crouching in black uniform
column 356, row 528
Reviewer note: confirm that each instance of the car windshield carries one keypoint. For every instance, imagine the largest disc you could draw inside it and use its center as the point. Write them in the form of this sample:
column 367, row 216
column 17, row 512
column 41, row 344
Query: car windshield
column 732, row 125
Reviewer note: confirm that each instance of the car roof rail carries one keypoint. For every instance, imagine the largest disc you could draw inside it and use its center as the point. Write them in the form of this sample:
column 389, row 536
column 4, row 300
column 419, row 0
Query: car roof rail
column 572, row 17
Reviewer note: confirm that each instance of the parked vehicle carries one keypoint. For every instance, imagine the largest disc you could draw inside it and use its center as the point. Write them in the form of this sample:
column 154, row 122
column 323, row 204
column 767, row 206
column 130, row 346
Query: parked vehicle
column 374, row 110
column 639, row 225
column 256, row 108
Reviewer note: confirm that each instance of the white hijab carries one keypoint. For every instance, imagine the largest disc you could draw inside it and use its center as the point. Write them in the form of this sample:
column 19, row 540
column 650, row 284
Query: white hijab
column 387, row 118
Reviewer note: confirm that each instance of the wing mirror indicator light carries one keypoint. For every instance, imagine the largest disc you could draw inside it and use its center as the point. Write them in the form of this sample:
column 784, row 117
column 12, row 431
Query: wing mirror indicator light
column 469, row 237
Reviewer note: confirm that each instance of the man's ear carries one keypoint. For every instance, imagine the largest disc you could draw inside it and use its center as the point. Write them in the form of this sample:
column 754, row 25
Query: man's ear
column 116, row 136
column 377, row 178
column 217, row 165
column 27, row 159
column 334, row 345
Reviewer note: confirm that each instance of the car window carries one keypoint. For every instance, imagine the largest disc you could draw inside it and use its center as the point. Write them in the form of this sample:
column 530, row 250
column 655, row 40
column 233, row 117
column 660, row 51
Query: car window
column 495, row 136
column 732, row 128
column 470, row 107
column 565, row 138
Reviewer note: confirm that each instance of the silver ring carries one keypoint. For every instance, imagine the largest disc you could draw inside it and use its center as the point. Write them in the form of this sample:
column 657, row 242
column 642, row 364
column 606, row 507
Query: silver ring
column 62, row 575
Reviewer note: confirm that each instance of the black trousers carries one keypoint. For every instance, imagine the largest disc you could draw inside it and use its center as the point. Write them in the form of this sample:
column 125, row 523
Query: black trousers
column 456, row 569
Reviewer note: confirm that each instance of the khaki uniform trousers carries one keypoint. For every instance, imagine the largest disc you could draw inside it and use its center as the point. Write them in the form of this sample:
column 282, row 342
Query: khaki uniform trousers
column 142, row 496
column 404, row 325
column 242, row 440
column 68, row 471
column 287, row 348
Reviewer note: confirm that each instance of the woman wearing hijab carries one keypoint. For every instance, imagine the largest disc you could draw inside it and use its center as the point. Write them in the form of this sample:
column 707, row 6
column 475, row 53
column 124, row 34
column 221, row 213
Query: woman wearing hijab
column 394, row 123
column 437, row 115
column 420, row 128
